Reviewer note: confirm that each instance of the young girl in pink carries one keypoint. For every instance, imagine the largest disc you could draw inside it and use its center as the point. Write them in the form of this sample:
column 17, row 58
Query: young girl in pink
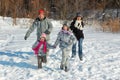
column 40, row 50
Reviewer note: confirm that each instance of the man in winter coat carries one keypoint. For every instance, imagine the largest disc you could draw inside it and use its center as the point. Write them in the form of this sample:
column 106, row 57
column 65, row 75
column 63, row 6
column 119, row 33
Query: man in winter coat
column 42, row 24
column 77, row 28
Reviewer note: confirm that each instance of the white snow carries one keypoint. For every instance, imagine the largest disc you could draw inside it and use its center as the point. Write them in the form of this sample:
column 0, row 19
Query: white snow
column 17, row 62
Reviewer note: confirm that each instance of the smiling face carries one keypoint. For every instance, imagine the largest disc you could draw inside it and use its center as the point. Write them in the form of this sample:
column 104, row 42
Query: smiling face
column 79, row 18
column 42, row 39
column 41, row 15
column 65, row 28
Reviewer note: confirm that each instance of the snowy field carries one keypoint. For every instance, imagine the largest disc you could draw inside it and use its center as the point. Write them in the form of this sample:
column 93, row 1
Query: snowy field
column 17, row 62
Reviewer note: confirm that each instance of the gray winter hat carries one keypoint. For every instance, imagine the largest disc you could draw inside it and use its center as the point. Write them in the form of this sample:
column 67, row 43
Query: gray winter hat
column 65, row 23
column 78, row 14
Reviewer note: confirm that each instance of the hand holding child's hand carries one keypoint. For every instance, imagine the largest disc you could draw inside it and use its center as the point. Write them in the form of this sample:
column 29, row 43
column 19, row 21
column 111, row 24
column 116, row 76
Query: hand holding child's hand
column 54, row 46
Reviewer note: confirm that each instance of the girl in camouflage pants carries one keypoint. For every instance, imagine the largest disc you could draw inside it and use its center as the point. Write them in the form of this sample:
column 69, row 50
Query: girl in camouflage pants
column 40, row 49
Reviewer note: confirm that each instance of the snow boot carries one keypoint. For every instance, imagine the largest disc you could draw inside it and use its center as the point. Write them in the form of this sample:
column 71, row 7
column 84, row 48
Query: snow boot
column 39, row 62
column 39, row 66
column 61, row 67
column 66, row 69
column 81, row 59
column 73, row 56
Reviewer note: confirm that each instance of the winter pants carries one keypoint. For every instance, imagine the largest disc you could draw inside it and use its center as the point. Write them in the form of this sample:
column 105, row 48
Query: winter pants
column 80, row 53
column 40, row 60
column 65, row 57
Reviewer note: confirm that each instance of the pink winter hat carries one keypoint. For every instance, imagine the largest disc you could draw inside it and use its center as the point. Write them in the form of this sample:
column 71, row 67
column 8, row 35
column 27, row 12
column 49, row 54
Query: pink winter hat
column 43, row 35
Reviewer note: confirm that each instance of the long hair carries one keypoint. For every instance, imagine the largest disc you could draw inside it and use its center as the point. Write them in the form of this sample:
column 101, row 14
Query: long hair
column 74, row 19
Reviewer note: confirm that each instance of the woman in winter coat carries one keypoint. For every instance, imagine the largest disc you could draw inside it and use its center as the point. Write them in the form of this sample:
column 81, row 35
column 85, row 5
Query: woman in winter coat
column 65, row 40
column 40, row 50
column 77, row 28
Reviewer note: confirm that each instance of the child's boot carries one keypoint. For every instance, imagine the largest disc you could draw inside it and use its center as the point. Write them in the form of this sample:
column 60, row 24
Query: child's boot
column 40, row 65
column 39, row 62
column 66, row 69
column 61, row 66
column 81, row 58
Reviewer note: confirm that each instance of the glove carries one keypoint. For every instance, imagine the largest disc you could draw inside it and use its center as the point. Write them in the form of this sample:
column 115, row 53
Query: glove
column 54, row 46
column 25, row 37
column 47, row 32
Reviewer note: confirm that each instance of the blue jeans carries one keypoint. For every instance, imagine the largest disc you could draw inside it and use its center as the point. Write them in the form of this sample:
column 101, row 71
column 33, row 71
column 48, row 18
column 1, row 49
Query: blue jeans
column 80, row 53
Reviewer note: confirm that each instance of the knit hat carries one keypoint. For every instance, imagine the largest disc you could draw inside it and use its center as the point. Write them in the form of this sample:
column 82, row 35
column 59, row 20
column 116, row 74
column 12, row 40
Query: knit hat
column 78, row 14
column 65, row 25
column 43, row 35
column 41, row 11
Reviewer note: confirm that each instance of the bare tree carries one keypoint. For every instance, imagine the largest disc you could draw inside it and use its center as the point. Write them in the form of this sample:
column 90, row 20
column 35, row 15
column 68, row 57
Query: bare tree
column 62, row 8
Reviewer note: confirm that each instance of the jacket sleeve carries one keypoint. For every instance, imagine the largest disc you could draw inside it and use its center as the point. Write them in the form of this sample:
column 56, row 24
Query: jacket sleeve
column 35, row 44
column 57, row 40
column 72, row 25
column 82, row 24
column 31, row 29
column 50, row 26
column 49, row 46
column 72, row 39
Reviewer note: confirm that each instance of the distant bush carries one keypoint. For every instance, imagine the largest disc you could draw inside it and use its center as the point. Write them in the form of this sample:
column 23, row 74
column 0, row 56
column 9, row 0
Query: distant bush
column 112, row 25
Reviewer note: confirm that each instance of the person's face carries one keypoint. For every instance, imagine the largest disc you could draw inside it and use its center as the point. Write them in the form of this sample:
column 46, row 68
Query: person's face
column 79, row 18
column 42, row 39
column 65, row 28
column 41, row 15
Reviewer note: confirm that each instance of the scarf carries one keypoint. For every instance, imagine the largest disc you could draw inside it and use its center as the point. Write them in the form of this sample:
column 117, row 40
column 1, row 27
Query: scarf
column 36, row 49
column 78, row 24
column 67, row 32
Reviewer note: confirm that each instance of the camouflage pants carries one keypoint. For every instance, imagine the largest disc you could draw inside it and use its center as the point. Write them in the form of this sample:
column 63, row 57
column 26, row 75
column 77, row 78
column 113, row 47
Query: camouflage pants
column 41, row 59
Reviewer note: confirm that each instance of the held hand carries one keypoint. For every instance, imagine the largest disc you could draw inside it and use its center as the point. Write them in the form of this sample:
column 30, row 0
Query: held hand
column 54, row 46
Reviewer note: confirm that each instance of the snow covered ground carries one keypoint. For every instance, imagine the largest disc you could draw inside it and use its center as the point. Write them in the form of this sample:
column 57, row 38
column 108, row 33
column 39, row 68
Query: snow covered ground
column 17, row 61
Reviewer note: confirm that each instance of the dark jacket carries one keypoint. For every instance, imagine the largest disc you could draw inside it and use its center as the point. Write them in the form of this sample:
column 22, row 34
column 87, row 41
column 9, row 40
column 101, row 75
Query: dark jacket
column 77, row 32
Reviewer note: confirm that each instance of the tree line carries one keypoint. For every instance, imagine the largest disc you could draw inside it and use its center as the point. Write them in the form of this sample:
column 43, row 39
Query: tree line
column 57, row 9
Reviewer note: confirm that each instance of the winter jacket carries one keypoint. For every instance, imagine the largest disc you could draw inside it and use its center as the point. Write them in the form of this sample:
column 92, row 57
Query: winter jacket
column 64, row 39
column 77, row 31
column 40, row 48
column 43, row 26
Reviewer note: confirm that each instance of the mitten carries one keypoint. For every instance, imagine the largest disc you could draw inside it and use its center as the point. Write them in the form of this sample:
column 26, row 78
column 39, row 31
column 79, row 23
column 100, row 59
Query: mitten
column 47, row 32
column 25, row 37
